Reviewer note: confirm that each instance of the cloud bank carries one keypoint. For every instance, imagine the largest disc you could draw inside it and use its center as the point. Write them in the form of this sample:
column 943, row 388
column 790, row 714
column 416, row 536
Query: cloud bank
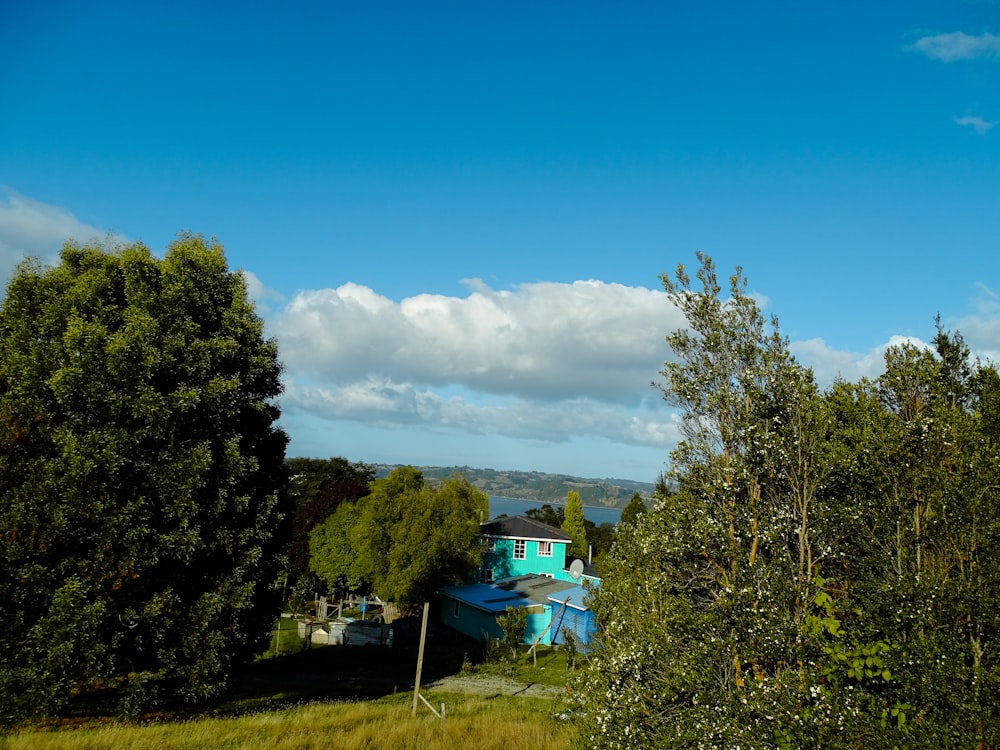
column 543, row 361
column 587, row 339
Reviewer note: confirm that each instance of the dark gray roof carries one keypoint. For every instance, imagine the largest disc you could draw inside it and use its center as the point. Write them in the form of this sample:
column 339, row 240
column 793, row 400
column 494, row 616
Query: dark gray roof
column 519, row 527
column 520, row 591
column 535, row 588
column 589, row 569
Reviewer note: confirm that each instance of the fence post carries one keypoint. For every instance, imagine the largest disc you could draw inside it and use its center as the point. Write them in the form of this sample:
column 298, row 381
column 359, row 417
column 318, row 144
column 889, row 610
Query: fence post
column 420, row 658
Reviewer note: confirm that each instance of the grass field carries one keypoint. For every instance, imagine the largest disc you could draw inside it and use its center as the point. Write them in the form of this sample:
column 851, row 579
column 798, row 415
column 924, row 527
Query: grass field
column 334, row 696
column 503, row 723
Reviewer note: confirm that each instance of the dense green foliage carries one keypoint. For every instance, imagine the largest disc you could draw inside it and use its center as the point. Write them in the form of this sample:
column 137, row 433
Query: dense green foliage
column 513, row 622
column 404, row 540
column 139, row 473
column 635, row 508
column 574, row 525
column 318, row 487
column 546, row 514
column 821, row 577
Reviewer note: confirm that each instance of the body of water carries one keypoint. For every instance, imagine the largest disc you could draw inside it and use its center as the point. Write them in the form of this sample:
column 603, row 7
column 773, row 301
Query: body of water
column 513, row 506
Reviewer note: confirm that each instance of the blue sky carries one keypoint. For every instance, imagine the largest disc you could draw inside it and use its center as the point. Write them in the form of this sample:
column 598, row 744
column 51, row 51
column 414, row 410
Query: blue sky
column 454, row 215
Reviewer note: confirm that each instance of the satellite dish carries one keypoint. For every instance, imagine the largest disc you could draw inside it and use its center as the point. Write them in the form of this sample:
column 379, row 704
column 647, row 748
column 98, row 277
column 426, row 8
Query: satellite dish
column 576, row 569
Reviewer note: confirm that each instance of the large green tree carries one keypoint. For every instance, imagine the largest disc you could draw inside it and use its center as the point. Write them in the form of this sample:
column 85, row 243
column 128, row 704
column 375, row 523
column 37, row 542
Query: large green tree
column 405, row 539
column 318, row 488
column 140, row 468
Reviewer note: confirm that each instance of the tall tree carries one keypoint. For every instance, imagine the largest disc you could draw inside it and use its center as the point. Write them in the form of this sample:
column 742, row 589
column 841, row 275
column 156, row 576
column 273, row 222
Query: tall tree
column 318, row 488
column 574, row 524
column 140, row 467
column 705, row 601
column 332, row 553
column 635, row 508
column 406, row 538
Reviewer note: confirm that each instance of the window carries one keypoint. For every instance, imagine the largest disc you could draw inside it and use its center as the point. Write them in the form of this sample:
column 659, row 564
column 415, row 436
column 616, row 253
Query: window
column 520, row 547
column 545, row 549
column 491, row 545
column 486, row 575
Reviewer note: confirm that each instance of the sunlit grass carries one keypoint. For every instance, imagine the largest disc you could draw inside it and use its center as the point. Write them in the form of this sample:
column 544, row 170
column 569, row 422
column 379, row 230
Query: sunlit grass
column 284, row 638
column 501, row 723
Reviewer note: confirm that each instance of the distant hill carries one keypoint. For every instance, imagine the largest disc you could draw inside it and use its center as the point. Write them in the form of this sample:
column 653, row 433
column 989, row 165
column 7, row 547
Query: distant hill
column 536, row 486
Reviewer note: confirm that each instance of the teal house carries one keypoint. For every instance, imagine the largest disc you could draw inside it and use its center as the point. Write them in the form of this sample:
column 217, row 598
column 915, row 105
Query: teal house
column 524, row 565
column 551, row 606
column 517, row 546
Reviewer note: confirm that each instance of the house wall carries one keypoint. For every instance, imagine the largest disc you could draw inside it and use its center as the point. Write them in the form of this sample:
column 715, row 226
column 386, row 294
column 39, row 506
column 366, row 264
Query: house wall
column 536, row 624
column 581, row 624
column 502, row 561
column 470, row 621
column 480, row 625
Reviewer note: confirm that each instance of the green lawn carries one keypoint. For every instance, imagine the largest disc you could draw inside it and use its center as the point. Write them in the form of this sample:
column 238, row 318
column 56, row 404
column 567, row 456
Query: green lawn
column 295, row 697
column 386, row 724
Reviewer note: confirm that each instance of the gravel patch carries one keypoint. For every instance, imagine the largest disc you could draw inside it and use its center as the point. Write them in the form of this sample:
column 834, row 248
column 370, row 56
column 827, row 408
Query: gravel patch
column 493, row 685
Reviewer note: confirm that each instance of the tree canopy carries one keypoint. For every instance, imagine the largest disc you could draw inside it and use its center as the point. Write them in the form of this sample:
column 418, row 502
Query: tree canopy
column 140, row 467
column 318, row 487
column 635, row 508
column 574, row 524
column 405, row 539
column 820, row 576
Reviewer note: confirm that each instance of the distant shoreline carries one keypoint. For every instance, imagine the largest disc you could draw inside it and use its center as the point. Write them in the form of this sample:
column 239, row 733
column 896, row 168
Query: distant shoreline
column 516, row 506
column 553, row 503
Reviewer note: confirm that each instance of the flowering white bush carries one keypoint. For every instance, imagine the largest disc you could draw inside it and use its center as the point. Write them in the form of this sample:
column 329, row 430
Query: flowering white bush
column 818, row 578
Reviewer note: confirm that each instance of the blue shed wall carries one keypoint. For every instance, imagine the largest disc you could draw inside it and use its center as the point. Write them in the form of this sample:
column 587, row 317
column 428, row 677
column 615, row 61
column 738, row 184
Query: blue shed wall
column 581, row 624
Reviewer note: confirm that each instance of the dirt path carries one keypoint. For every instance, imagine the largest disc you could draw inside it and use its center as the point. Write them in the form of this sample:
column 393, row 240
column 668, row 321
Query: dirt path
column 494, row 685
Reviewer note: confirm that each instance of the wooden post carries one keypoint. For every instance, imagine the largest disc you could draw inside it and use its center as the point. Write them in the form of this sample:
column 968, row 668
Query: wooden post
column 420, row 658
column 537, row 640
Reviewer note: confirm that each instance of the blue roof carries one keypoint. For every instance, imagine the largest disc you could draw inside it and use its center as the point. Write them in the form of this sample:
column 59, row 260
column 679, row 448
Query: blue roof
column 575, row 596
column 484, row 597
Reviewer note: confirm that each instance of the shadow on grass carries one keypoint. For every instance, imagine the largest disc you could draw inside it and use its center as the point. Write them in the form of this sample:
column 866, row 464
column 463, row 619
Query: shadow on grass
column 338, row 673
column 345, row 673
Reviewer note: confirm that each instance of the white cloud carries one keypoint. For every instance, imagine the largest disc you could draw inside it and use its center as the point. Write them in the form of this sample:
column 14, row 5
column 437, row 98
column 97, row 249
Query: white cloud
column 541, row 362
column 958, row 46
column 547, row 341
column 388, row 403
column 830, row 364
column 29, row 227
column 544, row 361
column 978, row 124
column 261, row 295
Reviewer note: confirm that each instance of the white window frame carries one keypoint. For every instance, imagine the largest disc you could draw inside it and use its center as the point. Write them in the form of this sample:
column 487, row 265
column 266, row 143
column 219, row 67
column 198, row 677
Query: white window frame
column 545, row 549
column 486, row 575
column 520, row 549
column 491, row 545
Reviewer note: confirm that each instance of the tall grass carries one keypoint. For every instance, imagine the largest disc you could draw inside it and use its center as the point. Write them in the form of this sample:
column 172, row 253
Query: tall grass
column 482, row 723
